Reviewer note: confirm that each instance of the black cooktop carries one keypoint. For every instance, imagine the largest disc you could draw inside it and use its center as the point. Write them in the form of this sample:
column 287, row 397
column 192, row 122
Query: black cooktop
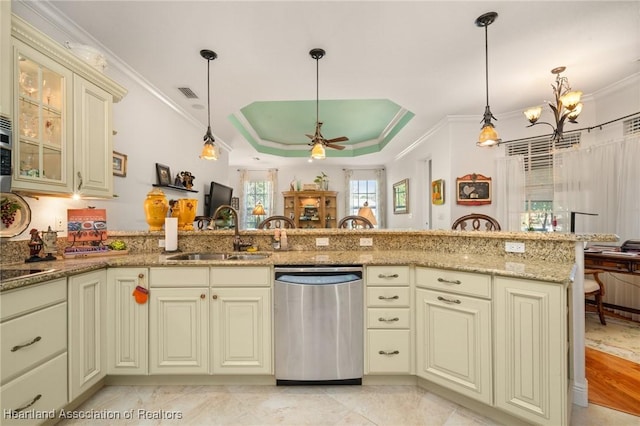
column 10, row 274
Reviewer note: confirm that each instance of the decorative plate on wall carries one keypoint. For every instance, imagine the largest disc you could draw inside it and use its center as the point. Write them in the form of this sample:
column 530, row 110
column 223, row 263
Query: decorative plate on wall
column 15, row 214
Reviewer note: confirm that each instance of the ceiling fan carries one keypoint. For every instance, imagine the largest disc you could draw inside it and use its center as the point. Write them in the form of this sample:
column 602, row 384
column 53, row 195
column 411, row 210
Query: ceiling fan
column 318, row 142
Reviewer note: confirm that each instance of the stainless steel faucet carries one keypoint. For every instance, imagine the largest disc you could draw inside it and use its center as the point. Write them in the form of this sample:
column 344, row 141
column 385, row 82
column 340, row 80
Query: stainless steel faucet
column 237, row 243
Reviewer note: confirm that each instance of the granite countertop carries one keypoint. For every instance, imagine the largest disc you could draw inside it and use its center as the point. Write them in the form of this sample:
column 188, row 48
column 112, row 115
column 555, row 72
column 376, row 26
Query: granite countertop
column 499, row 265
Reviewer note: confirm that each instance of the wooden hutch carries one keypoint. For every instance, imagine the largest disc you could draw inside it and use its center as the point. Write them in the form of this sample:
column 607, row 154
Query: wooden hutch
column 311, row 209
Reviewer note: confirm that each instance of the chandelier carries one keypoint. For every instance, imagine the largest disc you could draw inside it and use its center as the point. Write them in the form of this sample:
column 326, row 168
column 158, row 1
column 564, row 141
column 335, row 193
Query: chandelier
column 567, row 105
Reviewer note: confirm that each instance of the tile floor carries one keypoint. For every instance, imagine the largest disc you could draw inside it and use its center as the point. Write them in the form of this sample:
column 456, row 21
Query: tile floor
column 319, row 405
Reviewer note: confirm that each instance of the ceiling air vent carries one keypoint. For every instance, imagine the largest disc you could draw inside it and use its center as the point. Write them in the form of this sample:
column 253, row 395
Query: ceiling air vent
column 188, row 93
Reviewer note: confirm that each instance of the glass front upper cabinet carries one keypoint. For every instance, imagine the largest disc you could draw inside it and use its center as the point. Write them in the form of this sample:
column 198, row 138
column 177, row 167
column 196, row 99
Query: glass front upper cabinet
column 42, row 105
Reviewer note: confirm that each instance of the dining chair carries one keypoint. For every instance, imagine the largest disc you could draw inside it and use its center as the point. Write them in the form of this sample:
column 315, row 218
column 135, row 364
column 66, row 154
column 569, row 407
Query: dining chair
column 277, row 222
column 595, row 287
column 477, row 221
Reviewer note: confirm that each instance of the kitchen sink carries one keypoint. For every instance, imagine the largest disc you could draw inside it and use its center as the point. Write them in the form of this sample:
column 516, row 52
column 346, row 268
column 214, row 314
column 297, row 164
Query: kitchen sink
column 248, row 256
column 218, row 256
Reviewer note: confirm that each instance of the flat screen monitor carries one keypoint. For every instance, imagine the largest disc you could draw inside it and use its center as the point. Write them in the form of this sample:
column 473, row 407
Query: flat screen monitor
column 218, row 195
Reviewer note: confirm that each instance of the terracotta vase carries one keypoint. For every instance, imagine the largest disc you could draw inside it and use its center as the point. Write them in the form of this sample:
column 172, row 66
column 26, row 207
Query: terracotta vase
column 187, row 213
column 156, row 207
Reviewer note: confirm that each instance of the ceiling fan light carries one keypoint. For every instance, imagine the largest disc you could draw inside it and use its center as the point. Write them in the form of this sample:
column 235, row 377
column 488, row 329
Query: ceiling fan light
column 318, row 152
column 571, row 100
column 488, row 136
column 533, row 114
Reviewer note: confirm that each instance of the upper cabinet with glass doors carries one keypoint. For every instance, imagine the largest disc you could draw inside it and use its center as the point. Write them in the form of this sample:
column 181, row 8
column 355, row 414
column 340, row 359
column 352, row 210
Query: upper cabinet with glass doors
column 62, row 112
column 42, row 153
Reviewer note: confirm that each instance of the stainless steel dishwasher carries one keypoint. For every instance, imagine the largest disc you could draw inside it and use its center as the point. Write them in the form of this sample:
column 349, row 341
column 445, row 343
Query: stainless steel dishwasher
column 318, row 325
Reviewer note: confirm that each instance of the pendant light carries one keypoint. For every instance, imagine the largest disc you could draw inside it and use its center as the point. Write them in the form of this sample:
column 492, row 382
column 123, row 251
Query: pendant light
column 209, row 150
column 488, row 135
column 317, row 151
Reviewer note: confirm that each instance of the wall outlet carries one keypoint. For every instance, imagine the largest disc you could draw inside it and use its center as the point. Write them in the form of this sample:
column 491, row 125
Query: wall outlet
column 513, row 247
column 366, row 242
column 161, row 242
column 322, row 242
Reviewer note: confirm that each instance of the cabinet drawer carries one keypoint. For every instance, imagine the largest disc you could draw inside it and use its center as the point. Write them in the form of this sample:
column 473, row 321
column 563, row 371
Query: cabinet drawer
column 389, row 351
column 378, row 297
column 23, row 300
column 388, row 318
column 243, row 276
column 179, row 277
column 387, row 275
column 41, row 334
column 42, row 389
column 454, row 281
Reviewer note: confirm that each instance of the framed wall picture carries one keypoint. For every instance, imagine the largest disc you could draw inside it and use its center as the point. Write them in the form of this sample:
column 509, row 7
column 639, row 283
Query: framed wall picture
column 437, row 192
column 119, row 164
column 164, row 174
column 401, row 197
column 473, row 190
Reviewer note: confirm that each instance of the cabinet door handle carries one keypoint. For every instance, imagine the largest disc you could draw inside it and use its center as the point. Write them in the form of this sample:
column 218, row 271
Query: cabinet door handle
column 388, row 298
column 203, row 296
column 388, row 319
column 215, row 296
column 389, row 353
column 80, row 183
column 141, row 276
column 442, row 280
column 18, row 347
column 38, row 396
column 387, row 275
column 444, row 299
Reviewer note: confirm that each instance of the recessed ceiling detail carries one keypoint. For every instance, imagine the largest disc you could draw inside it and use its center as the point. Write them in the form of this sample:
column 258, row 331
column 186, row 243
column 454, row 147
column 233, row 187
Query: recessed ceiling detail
column 278, row 127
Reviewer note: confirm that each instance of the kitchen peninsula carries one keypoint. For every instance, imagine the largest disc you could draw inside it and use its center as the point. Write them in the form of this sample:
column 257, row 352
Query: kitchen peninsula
column 495, row 291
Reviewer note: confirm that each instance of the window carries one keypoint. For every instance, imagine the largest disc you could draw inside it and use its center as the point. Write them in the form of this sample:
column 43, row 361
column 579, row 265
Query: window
column 632, row 126
column 538, row 163
column 363, row 191
column 256, row 191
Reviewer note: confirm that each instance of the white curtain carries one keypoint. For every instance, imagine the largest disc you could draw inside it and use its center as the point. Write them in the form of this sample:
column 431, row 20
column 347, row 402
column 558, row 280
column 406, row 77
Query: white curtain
column 604, row 179
column 381, row 174
column 272, row 178
column 510, row 192
column 244, row 178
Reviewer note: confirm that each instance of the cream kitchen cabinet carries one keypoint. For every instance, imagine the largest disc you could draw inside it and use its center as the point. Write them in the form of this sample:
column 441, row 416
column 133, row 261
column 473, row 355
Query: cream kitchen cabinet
column 389, row 319
column 87, row 295
column 453, row 331
column 532, row 350
column 33, row 337
column 179, row 320
column 63, row 119
column 127, row 322
column 241, row 338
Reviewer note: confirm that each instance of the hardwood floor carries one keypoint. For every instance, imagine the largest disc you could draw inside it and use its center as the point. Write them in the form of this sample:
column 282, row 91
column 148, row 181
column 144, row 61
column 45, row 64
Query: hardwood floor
column 613, row 382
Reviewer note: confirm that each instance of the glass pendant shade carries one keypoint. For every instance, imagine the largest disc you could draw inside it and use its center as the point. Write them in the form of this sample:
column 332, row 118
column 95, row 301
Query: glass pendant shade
column 571, row 100
column 488, row 136
column 575, row 112
column 209, row 151
column 533, row 114
column 318, row 152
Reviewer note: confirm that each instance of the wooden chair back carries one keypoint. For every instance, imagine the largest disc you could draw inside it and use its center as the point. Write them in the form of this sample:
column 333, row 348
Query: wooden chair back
column 476, row 222
column 273, row 222
column 355, row 222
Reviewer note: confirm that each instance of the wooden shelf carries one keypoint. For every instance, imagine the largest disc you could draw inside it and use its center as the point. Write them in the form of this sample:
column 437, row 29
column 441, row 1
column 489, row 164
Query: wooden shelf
column 177, row 188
